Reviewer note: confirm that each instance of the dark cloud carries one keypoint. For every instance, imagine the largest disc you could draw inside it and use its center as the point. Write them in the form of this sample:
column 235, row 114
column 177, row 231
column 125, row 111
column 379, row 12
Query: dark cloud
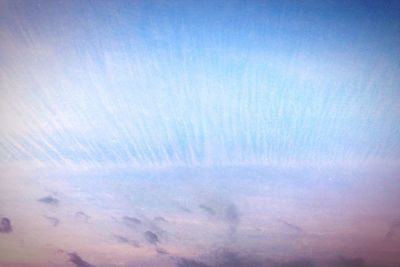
column 291, row 226
column 296, row 263
column 184, row 209
column 80, row 215
column 131, row 221
column 225, row 212
column 232, row 213
column 348, row 262
column 233, row 259
column 190, row 263
column 224, row 258
column 49, row 200
column 151, row 237
column 5, row 225
column 210, row 211
column 78, row 261
column 161, row 251
column 54, row 221
column 122, row 239
column 160, row 219
column 232, row 217
column 134, row 243
column 393, row 228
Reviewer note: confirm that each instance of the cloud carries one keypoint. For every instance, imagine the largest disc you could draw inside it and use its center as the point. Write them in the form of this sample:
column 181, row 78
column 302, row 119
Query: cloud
column 131, row 221
column 78, row 261
column 5, row 225
column 184, row 209
column 49, row 200
column 207, row 209
column 297, row 263
column 232, row 217
column 348, row 262
column 190, row 263
column 394, row 227
column 232, row 214
column 161, row 251
column 80, row 215
column 151, row 237
column 225, row 258
column 160, row 219
column 54, row 221
column 225, row 212
column 291, row 226
column 122, row 239
column 233, row 259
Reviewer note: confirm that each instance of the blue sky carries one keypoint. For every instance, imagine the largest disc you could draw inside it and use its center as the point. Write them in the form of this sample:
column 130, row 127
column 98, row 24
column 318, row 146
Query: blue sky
column 200, row 82
column 230, row 103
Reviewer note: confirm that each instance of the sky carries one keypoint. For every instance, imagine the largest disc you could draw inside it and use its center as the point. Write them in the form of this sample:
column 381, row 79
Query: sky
column 199, row 133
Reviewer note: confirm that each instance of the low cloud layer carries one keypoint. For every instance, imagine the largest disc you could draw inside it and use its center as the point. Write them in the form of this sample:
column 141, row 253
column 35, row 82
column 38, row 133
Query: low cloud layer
column 190, row 263
column 226, row 258
column 348, row 262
